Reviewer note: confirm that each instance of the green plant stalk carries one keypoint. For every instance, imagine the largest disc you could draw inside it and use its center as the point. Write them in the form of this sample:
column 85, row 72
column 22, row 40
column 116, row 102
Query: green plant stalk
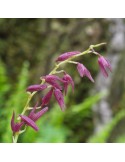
column 57, row 66
column 15, row 137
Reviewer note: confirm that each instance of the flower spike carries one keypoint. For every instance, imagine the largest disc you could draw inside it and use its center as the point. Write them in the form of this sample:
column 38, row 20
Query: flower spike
column 57, row 86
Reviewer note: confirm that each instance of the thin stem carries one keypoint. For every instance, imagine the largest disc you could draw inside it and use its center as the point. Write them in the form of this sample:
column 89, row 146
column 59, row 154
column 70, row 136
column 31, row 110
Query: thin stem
column 30, row 108
column 72, row 62
column 54, row 71
column 58, row 72
column 15, row 137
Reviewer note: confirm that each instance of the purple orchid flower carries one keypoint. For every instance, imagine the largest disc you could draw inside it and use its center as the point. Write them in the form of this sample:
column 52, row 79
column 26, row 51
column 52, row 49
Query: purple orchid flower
column 104, row 65
column 15, row 126
column 83, row 71
column 47, row 97
column 68, row 80
column 59, row 97
column 29, row 122
column 33, row 117
column 67, row 55
column 36, row 87
column 52, row 80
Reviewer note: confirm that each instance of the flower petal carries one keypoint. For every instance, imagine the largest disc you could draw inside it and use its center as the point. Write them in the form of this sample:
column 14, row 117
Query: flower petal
column 29, row 122
column 103, row 70
column 81, row 68
column 104, row 65
column 32, row 113
column 109, row 65
column 59, row 97
column 15, row 126
column 18, row 126
column 40, row 113
column 83, row 71
column 36, row 87
column 12, row 122
column 68, row 80
column 67, row 55
column 47, row 97
column 88, row 74
column 65, row 88
column 52, row 80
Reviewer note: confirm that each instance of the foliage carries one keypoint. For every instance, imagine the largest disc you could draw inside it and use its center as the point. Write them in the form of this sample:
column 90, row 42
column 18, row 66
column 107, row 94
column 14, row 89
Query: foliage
column 4, row 85
column 103, row 135
column 14, row 102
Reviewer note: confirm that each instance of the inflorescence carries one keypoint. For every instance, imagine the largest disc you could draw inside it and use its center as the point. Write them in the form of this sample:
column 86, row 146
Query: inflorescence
column 56, row 86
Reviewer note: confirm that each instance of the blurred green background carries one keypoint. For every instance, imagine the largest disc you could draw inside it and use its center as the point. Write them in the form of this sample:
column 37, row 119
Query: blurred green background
column 28, row 49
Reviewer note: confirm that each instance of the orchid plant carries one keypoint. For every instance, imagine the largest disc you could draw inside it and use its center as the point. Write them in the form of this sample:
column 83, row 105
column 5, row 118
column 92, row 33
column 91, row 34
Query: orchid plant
column 56, row 85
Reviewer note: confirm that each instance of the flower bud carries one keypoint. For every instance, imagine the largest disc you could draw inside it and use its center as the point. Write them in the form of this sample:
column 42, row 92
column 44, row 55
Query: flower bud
column 59, row 97
column 83, row 71
column 36, row 87
column 104, row 65
column 67, row 55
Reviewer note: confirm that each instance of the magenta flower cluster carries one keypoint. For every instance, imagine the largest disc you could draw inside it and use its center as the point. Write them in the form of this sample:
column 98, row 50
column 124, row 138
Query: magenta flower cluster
column 57, row 86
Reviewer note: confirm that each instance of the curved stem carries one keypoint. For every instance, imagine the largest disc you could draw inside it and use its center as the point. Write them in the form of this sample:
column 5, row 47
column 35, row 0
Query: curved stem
column 57, row 66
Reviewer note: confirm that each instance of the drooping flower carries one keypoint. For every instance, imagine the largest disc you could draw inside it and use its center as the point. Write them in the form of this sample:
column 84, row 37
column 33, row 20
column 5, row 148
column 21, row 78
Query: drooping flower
column 67, row 55
column 68, row 80
column 35, row 116
column 15, row 126
column 36, row 87
column 104, row 65
column 31, row 114
column 59, row 97
column 29, row 122
column 52, row 80
column 83, row 71
column 47, row 97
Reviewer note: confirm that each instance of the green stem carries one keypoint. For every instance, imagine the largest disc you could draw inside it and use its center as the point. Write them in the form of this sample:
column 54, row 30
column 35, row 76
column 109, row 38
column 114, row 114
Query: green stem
column 57, row 66
column 15, row 137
